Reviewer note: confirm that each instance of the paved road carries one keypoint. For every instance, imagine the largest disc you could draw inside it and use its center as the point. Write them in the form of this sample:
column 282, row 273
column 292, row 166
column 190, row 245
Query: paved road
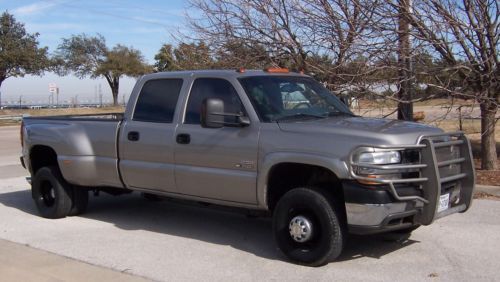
column 22, row 263
column 169, row 241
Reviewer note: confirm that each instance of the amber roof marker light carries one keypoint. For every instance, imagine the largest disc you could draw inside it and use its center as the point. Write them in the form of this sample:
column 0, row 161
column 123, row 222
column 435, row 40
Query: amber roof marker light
column 276, row 70
column 241, row 70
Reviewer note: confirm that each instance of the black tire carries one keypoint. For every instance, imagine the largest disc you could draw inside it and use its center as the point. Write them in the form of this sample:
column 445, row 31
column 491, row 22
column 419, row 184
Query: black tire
column 328, row 233
column 51, row 193
column 80, row 201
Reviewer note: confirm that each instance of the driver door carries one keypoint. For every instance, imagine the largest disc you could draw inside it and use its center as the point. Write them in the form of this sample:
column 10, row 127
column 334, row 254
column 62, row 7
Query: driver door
column 216, row 163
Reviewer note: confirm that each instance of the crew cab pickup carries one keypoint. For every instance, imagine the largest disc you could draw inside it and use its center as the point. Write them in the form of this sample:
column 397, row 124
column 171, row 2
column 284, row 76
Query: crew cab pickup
column 269, row 140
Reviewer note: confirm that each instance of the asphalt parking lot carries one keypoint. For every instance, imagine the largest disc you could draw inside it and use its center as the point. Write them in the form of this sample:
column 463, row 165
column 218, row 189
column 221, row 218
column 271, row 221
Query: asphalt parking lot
column 170, row 241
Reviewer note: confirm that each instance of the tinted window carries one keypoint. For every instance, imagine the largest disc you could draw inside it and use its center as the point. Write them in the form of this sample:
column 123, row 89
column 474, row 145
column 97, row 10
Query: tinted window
column 157, row 100
column 204, row 88
column 280, row 97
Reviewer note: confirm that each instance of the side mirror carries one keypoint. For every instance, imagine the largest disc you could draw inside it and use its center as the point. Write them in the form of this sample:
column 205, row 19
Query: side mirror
column 212, row 115
column 212, row 111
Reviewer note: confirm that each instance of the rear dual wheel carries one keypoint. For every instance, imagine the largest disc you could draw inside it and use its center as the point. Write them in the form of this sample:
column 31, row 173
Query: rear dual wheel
column 307, row 228
column 54, row 197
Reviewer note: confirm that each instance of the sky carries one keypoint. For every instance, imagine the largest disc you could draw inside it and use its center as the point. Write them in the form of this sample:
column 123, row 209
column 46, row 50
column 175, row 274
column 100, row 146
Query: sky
column 143, row 25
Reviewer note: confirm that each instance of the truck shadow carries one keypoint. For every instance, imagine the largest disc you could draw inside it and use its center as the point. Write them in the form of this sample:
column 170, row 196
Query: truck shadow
column 252, row 235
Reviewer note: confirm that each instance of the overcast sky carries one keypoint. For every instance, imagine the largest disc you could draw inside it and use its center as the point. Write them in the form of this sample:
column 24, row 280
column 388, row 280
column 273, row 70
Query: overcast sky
column 144, row 25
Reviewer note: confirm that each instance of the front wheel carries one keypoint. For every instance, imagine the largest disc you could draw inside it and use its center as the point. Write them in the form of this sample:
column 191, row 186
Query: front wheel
column 307, row 228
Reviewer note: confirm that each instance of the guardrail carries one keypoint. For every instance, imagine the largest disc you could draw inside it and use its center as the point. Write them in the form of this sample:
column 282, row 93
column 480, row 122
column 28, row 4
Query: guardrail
column 12, row 117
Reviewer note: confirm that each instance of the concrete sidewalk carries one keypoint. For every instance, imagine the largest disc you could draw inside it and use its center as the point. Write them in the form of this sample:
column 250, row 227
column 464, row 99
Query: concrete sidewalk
column 21, row 263
column 492, row 190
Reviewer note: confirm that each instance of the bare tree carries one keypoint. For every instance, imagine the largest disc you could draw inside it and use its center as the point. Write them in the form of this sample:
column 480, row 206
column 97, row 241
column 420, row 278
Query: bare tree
column 352, row 45
column 341, row 30
column 328, row 38
column 253, row 23
column 465, row 34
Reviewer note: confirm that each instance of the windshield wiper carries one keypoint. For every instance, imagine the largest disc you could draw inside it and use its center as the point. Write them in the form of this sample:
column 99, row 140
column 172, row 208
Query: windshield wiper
column 334, row 114
column 298, row 116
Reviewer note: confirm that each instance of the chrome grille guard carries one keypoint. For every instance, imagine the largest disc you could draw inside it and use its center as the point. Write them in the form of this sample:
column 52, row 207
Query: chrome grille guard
column 429, row 179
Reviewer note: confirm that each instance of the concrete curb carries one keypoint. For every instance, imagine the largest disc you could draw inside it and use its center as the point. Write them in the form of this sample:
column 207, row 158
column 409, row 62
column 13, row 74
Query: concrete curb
column 492, row 190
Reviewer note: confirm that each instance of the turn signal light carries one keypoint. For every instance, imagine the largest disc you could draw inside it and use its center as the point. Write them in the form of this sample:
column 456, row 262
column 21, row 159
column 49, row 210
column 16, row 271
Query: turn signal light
column 368, row 182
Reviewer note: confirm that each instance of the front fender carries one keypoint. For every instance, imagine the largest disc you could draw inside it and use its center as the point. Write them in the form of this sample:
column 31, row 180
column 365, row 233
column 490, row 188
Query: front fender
column 335, row 165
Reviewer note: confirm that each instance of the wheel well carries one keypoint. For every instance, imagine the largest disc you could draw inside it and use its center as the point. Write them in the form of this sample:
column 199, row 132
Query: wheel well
column 286, row 176
column 41, row 156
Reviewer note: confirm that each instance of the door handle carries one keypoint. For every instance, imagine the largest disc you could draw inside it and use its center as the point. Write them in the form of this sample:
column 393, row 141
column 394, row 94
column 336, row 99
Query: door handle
column 133, row 136
column 183, row 138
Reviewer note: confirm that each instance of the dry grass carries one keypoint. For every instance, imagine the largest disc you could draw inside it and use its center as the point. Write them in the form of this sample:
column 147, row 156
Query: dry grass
column 368, row 104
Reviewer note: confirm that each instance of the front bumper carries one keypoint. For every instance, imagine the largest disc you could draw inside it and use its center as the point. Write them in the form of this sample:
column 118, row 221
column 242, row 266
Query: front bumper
column 415, row 200
column 372, row 210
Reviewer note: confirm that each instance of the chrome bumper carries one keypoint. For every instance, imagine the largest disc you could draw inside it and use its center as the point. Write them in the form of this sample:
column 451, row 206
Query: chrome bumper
column 371, row 215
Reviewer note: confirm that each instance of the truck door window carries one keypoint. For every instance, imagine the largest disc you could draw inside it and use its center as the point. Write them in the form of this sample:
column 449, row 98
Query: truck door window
column 157, row 100
column 212, row 88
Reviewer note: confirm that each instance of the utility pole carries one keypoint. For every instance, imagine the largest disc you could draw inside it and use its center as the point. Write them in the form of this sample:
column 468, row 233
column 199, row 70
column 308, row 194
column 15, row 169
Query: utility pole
column 95, row 94
column 20, row 101
column 100, row 96
column 406, row 85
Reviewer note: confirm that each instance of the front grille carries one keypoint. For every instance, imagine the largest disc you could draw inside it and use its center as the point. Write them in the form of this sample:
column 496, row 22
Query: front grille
column 438, row 164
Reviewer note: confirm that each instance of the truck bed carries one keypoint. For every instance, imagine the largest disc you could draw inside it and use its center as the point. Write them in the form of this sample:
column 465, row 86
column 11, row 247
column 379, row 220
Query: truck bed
column 86, row 145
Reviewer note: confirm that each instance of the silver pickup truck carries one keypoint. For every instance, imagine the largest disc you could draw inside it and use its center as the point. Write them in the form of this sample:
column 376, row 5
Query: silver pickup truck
column 269, row 140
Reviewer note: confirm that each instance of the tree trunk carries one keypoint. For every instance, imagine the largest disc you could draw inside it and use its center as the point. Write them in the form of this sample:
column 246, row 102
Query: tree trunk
column 405, row 94
column 114, row 84
column 114, row 91
column 1, row 81
column 488, row 142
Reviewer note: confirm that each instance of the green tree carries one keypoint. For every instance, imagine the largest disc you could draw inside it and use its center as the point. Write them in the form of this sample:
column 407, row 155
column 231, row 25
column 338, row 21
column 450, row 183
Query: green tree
column 89, row 56
column 19, row 51
column 186, row 56
column 165, row 60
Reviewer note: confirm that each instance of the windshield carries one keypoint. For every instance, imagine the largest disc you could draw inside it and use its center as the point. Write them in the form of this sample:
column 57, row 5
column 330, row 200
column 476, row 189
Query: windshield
column 278, row 98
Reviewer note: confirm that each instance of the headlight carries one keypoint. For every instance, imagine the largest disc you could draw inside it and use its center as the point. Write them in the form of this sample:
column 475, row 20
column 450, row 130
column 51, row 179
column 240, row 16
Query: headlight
column 387, row 157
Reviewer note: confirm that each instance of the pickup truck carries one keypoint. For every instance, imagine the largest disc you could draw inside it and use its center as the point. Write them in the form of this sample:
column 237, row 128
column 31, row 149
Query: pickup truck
column 268, row 140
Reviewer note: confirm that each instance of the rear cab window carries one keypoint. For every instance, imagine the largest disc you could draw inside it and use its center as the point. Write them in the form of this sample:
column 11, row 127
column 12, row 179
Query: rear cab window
column 157, row 100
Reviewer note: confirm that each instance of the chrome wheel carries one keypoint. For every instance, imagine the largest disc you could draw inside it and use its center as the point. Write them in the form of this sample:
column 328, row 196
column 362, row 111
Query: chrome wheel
column 301, row 229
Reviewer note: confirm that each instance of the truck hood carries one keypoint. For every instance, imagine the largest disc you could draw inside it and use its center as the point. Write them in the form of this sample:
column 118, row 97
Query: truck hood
column 386, row 130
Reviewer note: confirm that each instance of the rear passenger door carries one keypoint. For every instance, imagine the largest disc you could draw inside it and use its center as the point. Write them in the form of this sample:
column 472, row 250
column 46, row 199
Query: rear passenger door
column 147, row 137
column 216, row 163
